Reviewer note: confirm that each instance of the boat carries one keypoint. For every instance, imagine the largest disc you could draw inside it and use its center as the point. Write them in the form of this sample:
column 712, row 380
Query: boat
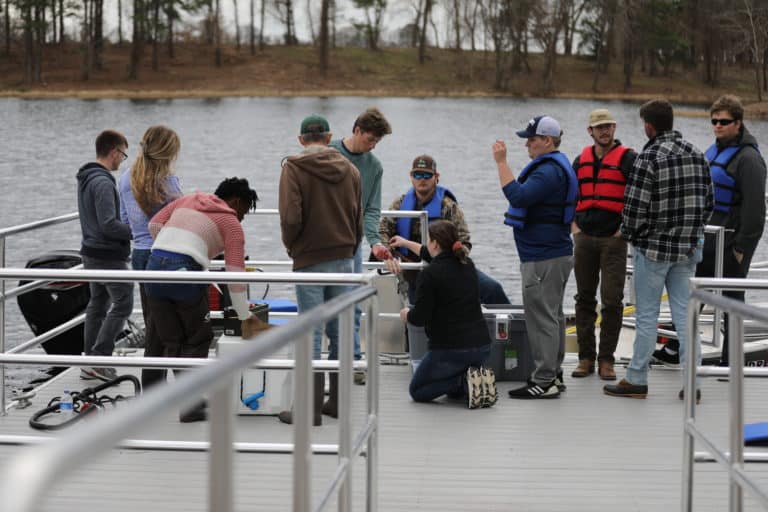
column 581, row 452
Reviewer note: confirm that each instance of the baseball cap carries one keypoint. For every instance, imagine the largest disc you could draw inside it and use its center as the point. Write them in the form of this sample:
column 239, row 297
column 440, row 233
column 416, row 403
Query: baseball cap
column 600, row 116
column 315, row 124
column 541, row 125
column 424, row 163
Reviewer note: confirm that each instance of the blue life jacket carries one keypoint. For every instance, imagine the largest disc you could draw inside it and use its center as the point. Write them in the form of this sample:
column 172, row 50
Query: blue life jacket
column 434, row 210
column 518, row 217
column 723, row 183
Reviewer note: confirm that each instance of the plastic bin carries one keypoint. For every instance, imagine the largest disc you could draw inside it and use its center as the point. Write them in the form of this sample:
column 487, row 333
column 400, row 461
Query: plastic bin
column 511, row 357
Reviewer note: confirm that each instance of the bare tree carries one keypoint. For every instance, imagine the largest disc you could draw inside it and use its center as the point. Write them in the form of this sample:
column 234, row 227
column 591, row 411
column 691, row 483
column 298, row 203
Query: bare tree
column 98, row 34
column 572, row 12
column 324, row 37
column 470, row 11
column 550, row 22
column 261, row 25
column 120, row 22
column 7, row 27
column 137, row 43
column 155, row 34
column 252, row 38
column 217, row 33
column 374, row 12
column 283, row 12
column 754, row 46
column 237, row 25
column 423, row 30
column 311, row 23
column 86, row 40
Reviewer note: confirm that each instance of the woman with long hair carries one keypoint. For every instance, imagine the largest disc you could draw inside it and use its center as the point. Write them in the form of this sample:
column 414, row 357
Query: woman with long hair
column 144, row 190
column 448, row 306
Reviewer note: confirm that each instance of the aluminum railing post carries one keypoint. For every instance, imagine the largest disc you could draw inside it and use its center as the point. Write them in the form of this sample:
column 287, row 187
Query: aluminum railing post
column 424, row 225
column 2, row 329
column 346, row 356
column 221, row 458
column 302, row 417
column 736, row 384
column 717, row 317
column 691, row 364
column 372, row 455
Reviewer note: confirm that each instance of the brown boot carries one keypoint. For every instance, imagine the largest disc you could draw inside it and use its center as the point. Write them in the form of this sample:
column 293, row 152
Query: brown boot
column 331, row 407
column 605, row 370
column 317, row 404
column 585, row 367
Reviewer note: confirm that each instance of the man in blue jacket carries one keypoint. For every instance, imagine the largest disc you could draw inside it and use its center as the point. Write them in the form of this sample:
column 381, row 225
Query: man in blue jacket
column 106, row 245
column 542, row 202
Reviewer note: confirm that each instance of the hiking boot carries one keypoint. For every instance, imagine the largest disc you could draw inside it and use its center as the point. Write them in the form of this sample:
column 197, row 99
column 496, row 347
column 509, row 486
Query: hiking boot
column 626, row 389
column 490, row 393
column 103, row 374
column 681, row 395
column 559, row 381
column 585, row 367
column 475, row 387
column 533, row 390
column 605, row 370
column 665, row 357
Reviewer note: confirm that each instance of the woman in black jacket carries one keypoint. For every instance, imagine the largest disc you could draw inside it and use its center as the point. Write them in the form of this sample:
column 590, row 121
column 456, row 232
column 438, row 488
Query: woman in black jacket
column 448, row 306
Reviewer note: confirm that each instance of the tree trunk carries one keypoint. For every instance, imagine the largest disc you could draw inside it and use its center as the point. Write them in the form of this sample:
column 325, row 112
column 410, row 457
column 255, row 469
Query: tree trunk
column 333, row 22
column 7, row 27
column 237, row 25
column 86, row 38
column 290, row 26
column 457, row 24
column 120, row 22
column 311, row 23
column 324, row 8
column 252, row 39
column 137, row 45
column 155, row 35
column 62, row 36
column 423, row 31
column 217, row 34
column 415, row 34
column 54, row 25
column 98, row 34
column 261, row 25
column 170, row 16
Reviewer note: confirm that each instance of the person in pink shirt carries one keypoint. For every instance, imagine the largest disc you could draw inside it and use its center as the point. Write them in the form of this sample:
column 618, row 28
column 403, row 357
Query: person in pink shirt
column 187, row 234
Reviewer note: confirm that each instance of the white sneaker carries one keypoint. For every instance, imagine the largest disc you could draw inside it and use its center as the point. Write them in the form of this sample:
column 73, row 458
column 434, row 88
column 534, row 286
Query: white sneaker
column 474, row 388
column 490, row 394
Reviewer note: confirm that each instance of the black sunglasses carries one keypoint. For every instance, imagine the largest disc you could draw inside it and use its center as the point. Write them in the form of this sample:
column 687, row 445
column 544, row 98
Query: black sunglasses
column 722, row 122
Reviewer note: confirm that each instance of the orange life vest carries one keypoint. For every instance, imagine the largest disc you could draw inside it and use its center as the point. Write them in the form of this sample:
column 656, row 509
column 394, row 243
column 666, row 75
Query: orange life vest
column 603, row 189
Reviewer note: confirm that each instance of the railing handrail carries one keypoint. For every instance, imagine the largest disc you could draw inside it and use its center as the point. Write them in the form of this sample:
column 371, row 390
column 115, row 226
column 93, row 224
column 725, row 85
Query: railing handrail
column 707, row 291
column 38, row 224
column 29, row 474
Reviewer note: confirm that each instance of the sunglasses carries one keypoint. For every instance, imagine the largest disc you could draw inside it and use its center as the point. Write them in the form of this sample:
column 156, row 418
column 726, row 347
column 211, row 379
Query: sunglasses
column 421, row 175
column 722, row 122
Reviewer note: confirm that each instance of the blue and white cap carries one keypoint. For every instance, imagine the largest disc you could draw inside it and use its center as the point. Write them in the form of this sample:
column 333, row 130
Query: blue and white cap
column 541, row 125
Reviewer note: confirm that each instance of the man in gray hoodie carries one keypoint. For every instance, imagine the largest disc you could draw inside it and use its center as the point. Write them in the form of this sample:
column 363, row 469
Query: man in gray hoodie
column 106, row 245
column 738, row 178
column 321, row 224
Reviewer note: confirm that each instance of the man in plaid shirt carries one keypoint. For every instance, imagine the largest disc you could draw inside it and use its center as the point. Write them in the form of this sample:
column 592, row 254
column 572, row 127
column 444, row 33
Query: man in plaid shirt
column 667, row 203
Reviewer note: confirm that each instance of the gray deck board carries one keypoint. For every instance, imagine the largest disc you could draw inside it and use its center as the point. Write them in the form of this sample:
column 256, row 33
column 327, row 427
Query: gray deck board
column 581, row 452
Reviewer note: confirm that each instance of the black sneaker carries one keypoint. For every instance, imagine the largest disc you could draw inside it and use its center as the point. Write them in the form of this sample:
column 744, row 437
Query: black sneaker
column 533, row 390
column 663, row 356
column 681, row 395
column 559, row 381
column 474, row 388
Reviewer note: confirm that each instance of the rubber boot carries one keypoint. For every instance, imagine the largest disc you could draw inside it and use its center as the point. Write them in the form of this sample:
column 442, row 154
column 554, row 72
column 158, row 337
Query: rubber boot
column 331, row 407
column 317, row 401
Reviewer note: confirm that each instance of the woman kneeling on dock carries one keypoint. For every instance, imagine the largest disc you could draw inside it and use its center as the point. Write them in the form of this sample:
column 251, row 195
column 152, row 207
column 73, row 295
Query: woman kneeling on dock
column 448, row 306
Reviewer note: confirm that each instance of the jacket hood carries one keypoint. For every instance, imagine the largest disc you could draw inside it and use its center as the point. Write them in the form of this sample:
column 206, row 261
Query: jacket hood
column 326, row 164
column 748, row 138
column 90, row 170
column 206, row 203
column 744, row 138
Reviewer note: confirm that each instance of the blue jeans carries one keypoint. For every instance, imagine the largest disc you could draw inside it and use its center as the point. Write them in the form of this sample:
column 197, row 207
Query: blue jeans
column 140, row 258
column 311, row 296
column 358, row 269
column 109, row 307
column 441, row 372
column 650, row 278
column 169, row 261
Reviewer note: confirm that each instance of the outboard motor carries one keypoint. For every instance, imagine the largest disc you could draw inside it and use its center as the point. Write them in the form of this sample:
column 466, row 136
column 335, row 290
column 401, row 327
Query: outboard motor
column 56, row 303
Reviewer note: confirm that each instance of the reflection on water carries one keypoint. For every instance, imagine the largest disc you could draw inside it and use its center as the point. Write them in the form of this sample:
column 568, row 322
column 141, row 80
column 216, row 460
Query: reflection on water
column 46, row 141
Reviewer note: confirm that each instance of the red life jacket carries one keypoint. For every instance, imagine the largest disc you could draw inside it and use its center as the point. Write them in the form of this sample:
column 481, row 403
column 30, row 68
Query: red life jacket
column 603, row 189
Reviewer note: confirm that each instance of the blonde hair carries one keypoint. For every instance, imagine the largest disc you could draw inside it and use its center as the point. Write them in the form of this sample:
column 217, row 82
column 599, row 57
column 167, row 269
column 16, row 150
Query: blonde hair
column 159, row 149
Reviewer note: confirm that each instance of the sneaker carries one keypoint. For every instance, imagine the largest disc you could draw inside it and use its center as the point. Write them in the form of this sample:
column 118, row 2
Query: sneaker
column 104, row 374
column 490, row 393
column 559, row 381
column 474, row 388
column 665, row 357
column 681, row 395
column 533, row 390
column 626, row 389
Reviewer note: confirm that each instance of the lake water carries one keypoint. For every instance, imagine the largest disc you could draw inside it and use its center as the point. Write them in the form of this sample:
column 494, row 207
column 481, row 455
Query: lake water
column 44, row 142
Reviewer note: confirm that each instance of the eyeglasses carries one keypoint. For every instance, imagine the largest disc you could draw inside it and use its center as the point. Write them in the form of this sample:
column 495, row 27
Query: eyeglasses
column 722, row 122
column 125, row 155
column 421, row 175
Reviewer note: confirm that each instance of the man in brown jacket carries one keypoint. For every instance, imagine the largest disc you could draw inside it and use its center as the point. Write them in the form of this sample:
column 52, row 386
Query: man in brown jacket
column 321, row 224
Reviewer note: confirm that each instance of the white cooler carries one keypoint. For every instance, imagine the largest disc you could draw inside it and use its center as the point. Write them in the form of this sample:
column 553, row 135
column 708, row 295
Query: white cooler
column 266, row 392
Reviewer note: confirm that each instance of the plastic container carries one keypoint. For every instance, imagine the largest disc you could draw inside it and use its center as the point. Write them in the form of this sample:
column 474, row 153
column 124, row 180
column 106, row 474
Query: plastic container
column 511, row 357
column 66, row 407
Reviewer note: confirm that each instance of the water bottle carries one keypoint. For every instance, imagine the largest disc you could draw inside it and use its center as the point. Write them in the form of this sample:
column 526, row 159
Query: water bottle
column 65, row 406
